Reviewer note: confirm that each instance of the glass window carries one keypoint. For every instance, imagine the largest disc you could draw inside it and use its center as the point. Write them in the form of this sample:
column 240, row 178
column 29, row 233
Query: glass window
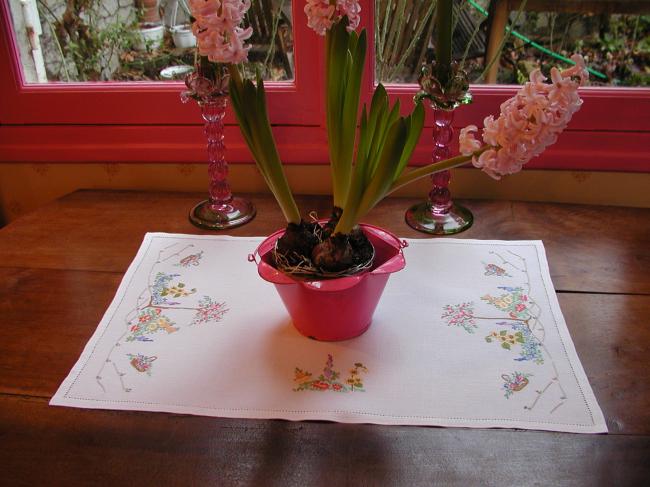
column 113, row 120
column 501, row 42
column 135, row 40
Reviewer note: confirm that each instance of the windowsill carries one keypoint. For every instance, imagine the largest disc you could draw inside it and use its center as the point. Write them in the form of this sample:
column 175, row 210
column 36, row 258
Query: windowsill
column 26, row 186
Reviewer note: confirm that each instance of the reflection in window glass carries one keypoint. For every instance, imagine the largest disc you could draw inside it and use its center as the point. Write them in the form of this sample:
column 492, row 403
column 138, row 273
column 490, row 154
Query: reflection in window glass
column 135, row 40
column 615, row 45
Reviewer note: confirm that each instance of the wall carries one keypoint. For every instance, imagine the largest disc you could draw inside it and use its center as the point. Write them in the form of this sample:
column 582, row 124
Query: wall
column 25, row 187
column 22, row 41
column 49, row 12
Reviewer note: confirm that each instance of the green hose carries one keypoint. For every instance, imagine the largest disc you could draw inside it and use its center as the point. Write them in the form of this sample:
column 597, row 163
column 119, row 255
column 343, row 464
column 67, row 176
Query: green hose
column 536, row 45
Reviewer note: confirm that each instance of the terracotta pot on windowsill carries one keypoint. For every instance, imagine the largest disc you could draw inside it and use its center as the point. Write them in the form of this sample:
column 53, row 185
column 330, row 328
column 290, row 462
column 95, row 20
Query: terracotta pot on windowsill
column 340, row 308
column 150, row 10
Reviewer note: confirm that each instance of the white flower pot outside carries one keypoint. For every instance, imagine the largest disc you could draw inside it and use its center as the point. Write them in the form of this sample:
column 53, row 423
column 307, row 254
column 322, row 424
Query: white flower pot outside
column 150, row 37
column 183, row 36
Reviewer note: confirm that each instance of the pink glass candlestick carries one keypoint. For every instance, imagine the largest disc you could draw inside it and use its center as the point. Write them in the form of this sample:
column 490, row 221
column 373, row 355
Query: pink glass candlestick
column 221, row 210
column 440, row 215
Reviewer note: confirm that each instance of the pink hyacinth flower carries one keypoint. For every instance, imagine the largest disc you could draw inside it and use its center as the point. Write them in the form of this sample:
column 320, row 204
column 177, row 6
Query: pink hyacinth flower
column 468, row 142
column 352, row 9
column 217, row 29
column 321, row 15
column 529, row 122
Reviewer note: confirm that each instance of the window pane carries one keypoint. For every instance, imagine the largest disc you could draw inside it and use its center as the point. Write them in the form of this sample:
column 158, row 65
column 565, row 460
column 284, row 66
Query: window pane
column 616, row 45
column 135, row 40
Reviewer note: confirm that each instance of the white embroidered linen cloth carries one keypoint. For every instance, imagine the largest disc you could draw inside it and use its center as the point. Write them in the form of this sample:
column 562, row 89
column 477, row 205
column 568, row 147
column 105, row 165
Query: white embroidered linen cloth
column 469, row 334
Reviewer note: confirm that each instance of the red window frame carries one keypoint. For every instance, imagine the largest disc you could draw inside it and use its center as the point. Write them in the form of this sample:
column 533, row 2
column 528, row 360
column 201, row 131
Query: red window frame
column 145, row 122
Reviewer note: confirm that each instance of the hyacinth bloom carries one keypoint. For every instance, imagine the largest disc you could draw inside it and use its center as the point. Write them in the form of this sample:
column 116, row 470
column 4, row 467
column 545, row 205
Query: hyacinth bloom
column 319, row 15
column 322, row 14
column 529, row 122
column 217, row 29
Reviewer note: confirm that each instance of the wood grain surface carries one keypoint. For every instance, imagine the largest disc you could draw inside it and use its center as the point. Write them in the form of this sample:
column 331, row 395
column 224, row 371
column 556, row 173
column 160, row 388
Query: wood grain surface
column 46, row 445
column 81, row 245
column 590, row 248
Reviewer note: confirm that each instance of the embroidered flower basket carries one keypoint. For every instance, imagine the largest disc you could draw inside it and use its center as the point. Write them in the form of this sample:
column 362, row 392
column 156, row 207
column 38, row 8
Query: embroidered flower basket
column 517, row 384
column 521, row 385
column 339, row 308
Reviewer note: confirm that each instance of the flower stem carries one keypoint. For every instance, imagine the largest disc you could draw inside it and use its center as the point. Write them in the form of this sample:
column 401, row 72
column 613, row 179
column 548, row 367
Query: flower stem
column 444, row 21
column 433, row 168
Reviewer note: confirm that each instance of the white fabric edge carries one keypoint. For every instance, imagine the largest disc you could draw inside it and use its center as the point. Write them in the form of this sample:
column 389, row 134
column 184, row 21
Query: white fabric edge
column 569, row 346
column 336, row 416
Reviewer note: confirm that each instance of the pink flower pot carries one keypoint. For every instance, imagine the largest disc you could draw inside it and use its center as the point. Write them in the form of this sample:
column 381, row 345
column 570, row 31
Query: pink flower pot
column 340, row 308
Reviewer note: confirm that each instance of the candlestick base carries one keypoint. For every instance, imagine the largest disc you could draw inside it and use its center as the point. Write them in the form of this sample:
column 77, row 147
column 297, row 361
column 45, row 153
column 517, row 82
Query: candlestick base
column 425, row 218
column 215, row 216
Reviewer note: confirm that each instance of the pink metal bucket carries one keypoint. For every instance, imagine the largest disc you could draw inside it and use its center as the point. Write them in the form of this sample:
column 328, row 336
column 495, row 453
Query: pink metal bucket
column 340, row 308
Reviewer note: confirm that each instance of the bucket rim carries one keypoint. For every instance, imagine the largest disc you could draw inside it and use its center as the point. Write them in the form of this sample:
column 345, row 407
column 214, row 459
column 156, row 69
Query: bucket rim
column 271, row 274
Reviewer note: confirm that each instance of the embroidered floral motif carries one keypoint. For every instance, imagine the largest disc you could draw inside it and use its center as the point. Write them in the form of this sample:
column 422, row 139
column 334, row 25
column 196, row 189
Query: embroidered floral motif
column 190, row 260
column 150, row 320
column 329, row 379
column 141, row 363
column 177, row 291
column 525, row 330
column 531, row 348
column 153, row 313
column 507, row 339
column 514, row 382
column 495, row 270
column 209, row 311
column 513, row 302
column 159, row 286
column 520, row 334
column 460, row 315
column 162, row 290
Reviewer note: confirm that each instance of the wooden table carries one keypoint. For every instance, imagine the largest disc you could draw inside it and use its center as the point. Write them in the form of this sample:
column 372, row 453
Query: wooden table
column 62, row 266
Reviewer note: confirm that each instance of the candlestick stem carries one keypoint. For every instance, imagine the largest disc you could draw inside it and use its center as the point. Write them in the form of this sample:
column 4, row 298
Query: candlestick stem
column 221, row 210
column 440, row 215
